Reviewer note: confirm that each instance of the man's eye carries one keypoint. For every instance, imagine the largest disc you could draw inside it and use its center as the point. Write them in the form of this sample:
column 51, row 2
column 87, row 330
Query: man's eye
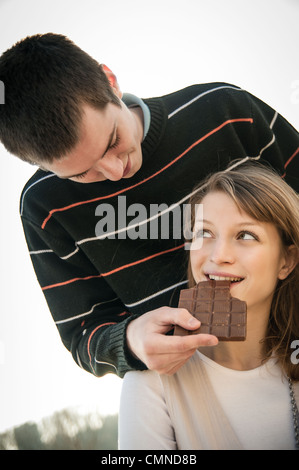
column 113, row 146
column 82, row 175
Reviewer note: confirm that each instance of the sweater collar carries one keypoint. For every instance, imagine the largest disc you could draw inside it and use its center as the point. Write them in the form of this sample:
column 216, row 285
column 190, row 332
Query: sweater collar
column 157, row 126
column 154, row 121
column 132, row 101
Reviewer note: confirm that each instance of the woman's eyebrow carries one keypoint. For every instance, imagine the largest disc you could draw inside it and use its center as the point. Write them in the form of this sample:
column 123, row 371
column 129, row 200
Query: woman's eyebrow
column 240, row 224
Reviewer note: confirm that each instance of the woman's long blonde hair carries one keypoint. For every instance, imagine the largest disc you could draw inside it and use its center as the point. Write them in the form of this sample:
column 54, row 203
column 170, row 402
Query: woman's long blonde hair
column 266, row 197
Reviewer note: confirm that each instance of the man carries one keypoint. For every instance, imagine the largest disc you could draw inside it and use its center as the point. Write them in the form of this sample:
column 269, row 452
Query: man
column 111, row 278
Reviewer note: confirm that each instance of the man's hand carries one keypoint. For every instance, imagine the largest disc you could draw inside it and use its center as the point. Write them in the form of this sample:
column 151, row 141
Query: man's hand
column 147, row 340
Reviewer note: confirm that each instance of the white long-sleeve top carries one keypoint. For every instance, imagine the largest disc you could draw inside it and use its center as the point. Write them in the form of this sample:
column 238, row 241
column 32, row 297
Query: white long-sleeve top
column 206, row 406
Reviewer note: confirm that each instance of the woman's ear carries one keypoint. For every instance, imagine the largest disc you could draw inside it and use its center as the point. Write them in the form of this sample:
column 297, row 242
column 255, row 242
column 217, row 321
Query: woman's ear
column 290, row 262
column 112, row 80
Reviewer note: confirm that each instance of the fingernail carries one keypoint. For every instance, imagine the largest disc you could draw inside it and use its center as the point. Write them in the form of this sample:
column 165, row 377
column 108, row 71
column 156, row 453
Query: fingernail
column 213, row 342
column 194, row 322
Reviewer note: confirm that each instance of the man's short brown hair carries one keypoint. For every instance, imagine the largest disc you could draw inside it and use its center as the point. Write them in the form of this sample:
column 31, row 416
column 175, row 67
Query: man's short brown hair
column 47, row 79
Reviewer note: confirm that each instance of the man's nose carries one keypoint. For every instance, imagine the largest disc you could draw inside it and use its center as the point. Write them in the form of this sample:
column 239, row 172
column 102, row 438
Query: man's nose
column 112, row 168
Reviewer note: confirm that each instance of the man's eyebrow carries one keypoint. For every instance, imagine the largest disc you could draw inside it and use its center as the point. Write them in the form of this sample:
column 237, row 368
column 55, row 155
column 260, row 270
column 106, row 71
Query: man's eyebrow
column 107, row 148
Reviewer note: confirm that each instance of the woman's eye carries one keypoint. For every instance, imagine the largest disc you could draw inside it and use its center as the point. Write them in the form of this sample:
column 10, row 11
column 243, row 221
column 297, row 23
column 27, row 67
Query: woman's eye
column 247, row 236
column 203, row 234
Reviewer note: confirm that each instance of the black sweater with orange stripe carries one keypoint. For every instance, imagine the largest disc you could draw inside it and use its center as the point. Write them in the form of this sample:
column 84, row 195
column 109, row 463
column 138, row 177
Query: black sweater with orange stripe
column 100, row 266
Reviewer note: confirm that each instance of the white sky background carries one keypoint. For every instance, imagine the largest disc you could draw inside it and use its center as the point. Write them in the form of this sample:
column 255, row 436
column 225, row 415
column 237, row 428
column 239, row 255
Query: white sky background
column 154, row 48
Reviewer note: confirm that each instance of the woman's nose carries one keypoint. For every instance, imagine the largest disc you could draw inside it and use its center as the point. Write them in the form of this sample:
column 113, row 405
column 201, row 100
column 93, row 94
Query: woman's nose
column 222, row 252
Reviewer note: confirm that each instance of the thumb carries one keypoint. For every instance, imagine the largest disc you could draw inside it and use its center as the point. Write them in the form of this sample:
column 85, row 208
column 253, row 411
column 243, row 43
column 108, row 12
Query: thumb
column 186, row 322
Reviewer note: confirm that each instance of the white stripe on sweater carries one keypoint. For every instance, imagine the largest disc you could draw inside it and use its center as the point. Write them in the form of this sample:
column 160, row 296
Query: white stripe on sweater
column 156, row 294
column 40, row 252
column 29, row 187
column 201, row 96
column 66, row 320
column 105, row 363
column 273, row 120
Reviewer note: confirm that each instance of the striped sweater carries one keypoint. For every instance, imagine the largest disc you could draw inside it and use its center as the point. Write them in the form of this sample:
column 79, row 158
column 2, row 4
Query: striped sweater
column 95, row 284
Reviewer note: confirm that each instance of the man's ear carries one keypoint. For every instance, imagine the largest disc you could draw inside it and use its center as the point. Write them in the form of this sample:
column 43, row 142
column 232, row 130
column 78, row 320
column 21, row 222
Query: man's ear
column 290, row 262
column 112, row 80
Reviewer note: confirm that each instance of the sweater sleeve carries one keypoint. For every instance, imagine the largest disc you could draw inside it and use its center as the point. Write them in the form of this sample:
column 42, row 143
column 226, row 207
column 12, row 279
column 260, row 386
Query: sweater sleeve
column 89, row 316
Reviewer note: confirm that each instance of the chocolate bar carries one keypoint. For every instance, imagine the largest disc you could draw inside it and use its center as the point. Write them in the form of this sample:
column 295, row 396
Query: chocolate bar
column 220, row 314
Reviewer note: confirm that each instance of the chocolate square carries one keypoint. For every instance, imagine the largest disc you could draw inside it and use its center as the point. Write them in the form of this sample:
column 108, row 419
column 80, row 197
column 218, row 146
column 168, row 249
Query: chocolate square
column 220, row 314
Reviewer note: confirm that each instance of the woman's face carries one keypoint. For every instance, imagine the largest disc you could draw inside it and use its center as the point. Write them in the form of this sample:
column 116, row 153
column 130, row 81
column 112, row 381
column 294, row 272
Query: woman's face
column 231, row 245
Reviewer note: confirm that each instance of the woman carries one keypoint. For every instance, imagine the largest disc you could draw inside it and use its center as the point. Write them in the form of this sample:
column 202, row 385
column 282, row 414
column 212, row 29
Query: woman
column 235, row 395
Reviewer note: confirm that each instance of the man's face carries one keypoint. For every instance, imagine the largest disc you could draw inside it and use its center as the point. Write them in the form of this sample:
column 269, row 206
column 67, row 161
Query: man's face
column 109, row 147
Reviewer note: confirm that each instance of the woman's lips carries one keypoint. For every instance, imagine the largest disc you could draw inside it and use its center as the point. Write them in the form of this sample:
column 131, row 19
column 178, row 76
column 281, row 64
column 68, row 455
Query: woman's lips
column 225, row 277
